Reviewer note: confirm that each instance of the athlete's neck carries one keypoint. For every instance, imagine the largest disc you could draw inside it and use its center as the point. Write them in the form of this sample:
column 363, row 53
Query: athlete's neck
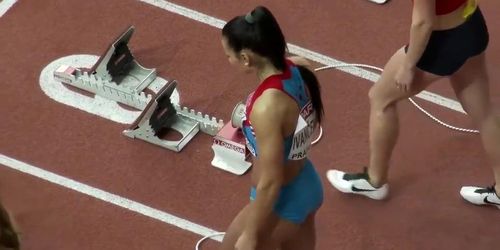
column 267, row 70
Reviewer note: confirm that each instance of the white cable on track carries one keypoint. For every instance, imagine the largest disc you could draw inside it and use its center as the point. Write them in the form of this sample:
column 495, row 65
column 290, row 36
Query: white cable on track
column 427, row 113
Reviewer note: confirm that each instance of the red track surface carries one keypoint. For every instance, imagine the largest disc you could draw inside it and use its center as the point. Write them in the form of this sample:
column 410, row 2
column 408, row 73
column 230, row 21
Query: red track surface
column 430, row 162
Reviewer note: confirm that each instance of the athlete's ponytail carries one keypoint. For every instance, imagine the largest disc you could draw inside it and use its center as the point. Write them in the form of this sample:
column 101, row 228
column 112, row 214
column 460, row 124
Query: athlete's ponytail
column 260, row 32
column 314, row 88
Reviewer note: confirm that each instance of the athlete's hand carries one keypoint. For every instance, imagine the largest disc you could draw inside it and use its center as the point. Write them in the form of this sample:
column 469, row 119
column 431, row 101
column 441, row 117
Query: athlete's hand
column 404, row 77
column 246, row 242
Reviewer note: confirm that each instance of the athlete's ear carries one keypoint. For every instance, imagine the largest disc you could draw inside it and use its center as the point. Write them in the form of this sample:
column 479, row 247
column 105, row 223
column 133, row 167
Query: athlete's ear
column 245, row 58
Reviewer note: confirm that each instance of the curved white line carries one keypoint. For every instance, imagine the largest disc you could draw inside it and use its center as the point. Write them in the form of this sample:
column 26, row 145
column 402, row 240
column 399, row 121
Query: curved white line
column 97, row 105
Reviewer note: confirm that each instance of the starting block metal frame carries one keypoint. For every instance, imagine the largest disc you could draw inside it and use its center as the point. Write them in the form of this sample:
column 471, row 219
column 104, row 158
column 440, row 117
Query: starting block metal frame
column 119, row 65
column 162, row 114
column 116, row 75
column 93, row 84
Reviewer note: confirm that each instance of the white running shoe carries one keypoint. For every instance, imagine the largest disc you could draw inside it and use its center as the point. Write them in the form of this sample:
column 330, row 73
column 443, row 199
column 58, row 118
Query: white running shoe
column 481, row 196
column 356, row 184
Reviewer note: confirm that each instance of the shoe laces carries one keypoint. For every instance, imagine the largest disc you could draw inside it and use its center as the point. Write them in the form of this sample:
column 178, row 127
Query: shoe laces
column 488, row 190
column 357, row 176
column 491, row 189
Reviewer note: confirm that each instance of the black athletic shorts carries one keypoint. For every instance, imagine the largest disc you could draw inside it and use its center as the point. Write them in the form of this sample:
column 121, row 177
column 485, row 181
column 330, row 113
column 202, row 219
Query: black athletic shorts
column 447, row 50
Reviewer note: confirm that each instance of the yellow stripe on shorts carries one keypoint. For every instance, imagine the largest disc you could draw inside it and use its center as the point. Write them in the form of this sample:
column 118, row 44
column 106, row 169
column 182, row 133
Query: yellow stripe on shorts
column 470, row 8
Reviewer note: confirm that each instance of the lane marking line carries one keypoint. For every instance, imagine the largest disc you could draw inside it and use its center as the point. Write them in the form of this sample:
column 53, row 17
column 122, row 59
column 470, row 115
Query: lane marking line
column 5, row 5
column 107, row 197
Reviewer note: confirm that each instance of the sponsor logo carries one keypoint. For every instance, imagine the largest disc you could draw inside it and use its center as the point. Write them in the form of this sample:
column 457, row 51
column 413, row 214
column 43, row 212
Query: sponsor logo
column 355, row 189
column 490, row 202
column 307, row 110
column 229, row 146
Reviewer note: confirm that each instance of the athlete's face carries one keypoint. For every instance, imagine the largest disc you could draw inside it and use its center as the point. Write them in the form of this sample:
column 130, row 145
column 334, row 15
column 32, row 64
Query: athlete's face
column 239, row 60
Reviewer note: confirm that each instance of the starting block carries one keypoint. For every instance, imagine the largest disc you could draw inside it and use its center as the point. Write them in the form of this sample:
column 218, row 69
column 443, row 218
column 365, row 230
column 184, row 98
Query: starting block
column 116, row 75
column 160, row 114
column 118, row 65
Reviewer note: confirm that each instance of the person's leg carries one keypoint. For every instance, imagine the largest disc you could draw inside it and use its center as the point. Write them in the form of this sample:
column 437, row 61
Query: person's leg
column 296, row 208
column 234, row 230
column 384, row 122
column 305, row 238
column 471, row 85
column 280, row 230
column 237, row 225
column 288, row 235
column 384, row 130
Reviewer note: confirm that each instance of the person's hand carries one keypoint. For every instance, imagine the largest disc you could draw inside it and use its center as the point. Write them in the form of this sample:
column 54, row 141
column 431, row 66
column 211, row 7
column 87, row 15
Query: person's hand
column 246, row 242
column 404, row 77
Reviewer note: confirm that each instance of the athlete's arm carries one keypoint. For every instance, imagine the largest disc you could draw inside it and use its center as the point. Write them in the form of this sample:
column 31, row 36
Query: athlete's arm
column 421, row 28
column 422, row 23
column 268, row 115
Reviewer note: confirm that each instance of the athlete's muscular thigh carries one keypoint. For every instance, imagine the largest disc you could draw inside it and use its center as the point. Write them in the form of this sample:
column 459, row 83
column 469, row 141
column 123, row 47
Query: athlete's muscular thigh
column 385, row 91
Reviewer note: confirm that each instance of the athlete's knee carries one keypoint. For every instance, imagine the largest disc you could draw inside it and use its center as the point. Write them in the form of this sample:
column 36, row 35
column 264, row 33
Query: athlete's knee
column 374, row 95
column 379, row 103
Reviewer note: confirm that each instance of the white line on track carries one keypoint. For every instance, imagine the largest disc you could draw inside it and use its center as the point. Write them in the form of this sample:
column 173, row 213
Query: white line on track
column 106, row 196
column 309, row 54
column 5, row 5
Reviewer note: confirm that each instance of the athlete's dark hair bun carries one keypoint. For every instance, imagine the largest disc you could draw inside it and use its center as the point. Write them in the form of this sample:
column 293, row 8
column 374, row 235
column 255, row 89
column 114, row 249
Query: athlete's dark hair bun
column 258, row 31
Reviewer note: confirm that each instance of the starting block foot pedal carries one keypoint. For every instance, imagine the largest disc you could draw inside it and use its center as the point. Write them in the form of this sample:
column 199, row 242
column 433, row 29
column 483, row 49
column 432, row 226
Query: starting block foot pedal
column 118, row 65
column 160, row 114
column 116, row 75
